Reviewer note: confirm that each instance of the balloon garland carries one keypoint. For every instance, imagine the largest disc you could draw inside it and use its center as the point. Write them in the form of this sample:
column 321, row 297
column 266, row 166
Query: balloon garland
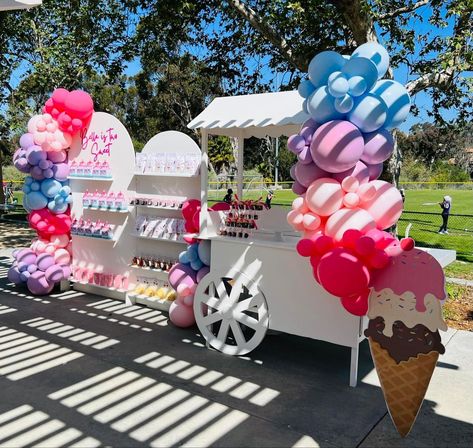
column 47, row 196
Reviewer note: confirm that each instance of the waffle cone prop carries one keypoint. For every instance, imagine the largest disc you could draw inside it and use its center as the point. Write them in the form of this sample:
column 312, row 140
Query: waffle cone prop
column 405, row 316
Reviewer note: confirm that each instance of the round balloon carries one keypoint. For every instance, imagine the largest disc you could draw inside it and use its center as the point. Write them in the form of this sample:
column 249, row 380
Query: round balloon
column 375, row 170
column 38, row 284
column 376, row 53
column 361, row 67
column 359, row 171
column 386, row 205
column 346, row 219
column 379, row 146
column 305, row 88
column 321, row 106
column 337, row 146
column 369, row 113
column 323, row 65
column 397, row 100
column 324, row 196
column 180, row 314
column 306, row 174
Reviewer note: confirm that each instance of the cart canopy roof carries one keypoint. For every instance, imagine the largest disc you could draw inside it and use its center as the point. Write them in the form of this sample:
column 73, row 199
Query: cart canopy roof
column 9, row 5
column 258, row 115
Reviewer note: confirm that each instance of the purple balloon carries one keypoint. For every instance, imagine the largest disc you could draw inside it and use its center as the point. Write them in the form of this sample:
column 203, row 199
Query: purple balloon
column 181, row 273
column 360, row 171
column 57, row 156
column 24, row 276
column 26, row 256
column 21, row 164
column 310, row 123
column 26, row 140
column 37, row 173
column 61, row 171
column 44, row 261
column 66, row 271
column 379, row 146
column 375, row 171
column 306, row 174
column 48, row 174
column 38, row 284
column 305, row 156
column 292, row 172
column 43, row 164
column 14, row 275
column 298, row 188
column 35, row 155
column 296, row 143
column 32, row 268
column 54, row 273
column 202, row 273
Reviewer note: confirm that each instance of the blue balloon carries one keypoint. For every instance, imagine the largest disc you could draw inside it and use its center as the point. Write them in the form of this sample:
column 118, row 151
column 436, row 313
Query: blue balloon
column 68, row 200
column 57, row 208
column 304, row 107
column 357, row 85
column 321, row 106
column 24, row 276
column 35, row 186
column 305, row 88
column 337, row 84
column 36, row 200
column 323, row 65
column 192, row 252
column 196, row 265
column 376, row 53
column 26, row 188
column 397, row 100
column 50, row 187
column 369, row 113
column 25, row 203
column 344, row 104
column 28, row 180
column 204, row 252
column 183, row 258
column 362, row 67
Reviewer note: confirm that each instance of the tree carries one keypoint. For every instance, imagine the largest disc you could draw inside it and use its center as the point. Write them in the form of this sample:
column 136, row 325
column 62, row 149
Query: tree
column 283, row 35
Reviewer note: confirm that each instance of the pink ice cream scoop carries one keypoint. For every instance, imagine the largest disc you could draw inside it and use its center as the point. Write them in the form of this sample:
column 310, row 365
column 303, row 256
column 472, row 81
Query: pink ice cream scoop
column 416, row 271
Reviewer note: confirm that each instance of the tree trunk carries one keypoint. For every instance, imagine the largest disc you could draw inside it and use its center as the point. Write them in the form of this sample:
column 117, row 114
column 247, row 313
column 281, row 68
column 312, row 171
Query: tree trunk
column 2, row 195
column 395, row 162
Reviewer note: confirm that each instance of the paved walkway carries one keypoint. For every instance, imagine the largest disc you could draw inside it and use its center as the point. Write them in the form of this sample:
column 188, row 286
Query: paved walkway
column 82, row 370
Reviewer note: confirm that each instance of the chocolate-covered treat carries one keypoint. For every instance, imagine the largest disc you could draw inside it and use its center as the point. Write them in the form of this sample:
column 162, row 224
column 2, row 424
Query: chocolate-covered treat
column 405, row 342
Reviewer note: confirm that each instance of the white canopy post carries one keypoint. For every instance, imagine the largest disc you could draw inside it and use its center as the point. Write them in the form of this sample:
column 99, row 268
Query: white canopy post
column 241, row 150
column 204, row 175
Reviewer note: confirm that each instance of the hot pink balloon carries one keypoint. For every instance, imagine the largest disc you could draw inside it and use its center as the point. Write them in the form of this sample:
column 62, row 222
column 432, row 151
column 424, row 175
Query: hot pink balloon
column 386, row 206
column 324, row 196
column 336, row 146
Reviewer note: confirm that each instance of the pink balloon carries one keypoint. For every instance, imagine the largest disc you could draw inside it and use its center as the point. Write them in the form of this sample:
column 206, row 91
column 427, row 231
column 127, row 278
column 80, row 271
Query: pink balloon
column 358, row 304
column 300, row 205
column 181, row 273
column 324, row 196
column 79, row 104
column 305, row 247
column 366, row 191
column 60, row 240
column 375, row 170
column 386, row 206
column 183, row 290
column 54, row 274
column 180, row 314
column 351, row 200
column 62, row 257
column 336, row 146
column 296, row 219
column 311, row 221
column 359, row 171
column 307, row 173
column 350, row 184
column 379, row 146
column 346, row 219
column 343, row 274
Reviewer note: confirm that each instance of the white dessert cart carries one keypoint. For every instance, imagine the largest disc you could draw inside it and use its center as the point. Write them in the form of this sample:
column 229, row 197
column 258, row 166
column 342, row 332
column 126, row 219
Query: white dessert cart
column 262, row 283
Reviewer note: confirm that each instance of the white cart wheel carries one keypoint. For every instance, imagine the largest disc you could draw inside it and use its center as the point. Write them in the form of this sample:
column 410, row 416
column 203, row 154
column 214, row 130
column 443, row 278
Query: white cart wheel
column 231, row 312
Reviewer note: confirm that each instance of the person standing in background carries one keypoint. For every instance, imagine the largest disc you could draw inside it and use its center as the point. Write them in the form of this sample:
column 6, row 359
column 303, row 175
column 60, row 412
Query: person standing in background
column 446, row 205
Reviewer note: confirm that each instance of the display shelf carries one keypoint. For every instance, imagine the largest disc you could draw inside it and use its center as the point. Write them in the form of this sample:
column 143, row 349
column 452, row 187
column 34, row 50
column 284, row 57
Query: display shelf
column 167, row 174
column 159, row 273
column 106, row 210
column 157, row 207
column 94, row 237
column 92, row 288
column 100, row 179
column 150, row 302
column 136, row 235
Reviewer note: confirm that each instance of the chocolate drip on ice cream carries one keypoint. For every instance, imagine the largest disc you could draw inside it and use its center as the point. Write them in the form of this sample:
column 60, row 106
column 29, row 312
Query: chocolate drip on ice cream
column 405, row 342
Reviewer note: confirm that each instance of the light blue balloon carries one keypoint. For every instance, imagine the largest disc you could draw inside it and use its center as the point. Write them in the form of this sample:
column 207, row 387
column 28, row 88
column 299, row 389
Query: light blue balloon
column 59, row 199
column 192, row 253
column 204, row 252
column 376, row 53
column 28, row 180
column 57, row 208
column 305, row 88
column 323, row 65
column 357, row 85
column 321, row 106
column 183, row 258
column 35, row 186
column 337, row 84
column 369, row 113
column 305, row 106
column 196, row 265
column 344, row 104
column 50, row 187
column 65, row 191
column 68, row 200
column 397, row 100
column 26, row 188
column 362, row 67
column 36, row 200
column 25, row 203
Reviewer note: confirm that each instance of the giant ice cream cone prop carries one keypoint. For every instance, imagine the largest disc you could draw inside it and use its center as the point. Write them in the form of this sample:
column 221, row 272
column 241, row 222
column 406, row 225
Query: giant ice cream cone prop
column 343, row 211
column 405, row 316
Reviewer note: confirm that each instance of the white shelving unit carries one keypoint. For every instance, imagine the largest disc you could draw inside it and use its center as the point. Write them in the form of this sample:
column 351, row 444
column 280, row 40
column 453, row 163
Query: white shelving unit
column 94, row 179
column 167, row 174
column 167, row 240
